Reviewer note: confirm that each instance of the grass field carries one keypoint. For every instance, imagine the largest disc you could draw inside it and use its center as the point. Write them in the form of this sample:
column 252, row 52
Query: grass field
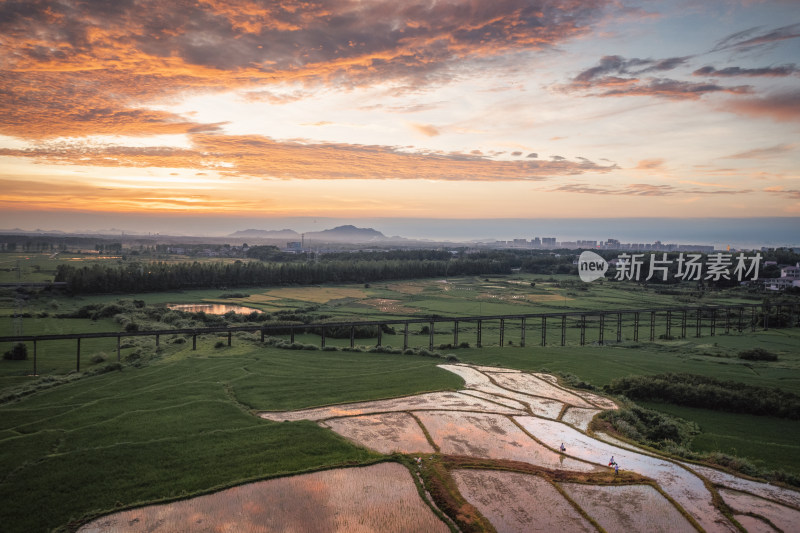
column 182, row 426
column 182, row 423
column 767, row 442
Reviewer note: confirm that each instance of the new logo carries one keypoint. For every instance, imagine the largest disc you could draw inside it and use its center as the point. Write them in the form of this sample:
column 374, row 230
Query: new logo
column 591, row 266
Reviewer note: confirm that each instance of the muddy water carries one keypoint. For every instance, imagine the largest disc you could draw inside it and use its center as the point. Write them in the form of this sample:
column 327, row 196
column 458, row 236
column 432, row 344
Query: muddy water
column 515, row 502
column 579, row 418
column 683, row 486
column 477, row 381
column 528, row 384
column 211, row 309
column 384, row 433
column 786, row 518
column 629, row 508
column 433, row 400
column 492, row 437
column 753, row 525
column 765, row 490
column 380, row 497
column 508, row 402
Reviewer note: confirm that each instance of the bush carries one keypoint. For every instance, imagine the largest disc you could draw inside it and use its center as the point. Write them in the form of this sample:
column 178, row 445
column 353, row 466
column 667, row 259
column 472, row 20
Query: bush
column 220, row 344
column 757, row 354
column 651, row 427
column 18, row 352
column 98, row 358
column 709, row 393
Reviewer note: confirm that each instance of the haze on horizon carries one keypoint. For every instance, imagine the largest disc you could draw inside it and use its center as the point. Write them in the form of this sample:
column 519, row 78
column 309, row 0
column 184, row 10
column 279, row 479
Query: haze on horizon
column 212, row 111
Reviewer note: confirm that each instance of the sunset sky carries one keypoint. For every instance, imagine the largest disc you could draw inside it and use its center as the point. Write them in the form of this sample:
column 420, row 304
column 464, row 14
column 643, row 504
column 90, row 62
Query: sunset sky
column 243, row 109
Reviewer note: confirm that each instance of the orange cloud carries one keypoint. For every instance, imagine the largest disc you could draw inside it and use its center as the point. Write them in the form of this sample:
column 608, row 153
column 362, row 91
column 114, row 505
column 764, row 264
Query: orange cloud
column 426, row 129
column 258, row 156
column 650, row 164
column 644, row 189
column 781, row 107
column 76, row 69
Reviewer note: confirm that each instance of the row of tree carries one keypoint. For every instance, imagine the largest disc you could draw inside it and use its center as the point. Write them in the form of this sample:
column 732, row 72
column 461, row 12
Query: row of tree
column 160, row 276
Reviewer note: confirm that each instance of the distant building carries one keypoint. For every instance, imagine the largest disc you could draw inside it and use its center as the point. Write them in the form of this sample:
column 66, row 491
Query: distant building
column 791, row 271
column 549, row 241
column 294, row 246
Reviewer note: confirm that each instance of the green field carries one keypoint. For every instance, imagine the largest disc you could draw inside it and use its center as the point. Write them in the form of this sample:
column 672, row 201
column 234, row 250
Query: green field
column 174, row 422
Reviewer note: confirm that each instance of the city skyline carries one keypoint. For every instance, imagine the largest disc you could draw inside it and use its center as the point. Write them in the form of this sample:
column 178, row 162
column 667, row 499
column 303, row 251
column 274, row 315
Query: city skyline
column 242, row 110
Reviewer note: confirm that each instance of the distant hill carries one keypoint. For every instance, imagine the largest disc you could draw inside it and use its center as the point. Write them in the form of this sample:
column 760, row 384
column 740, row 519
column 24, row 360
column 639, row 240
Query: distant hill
column 288, row 234
column 346, row 234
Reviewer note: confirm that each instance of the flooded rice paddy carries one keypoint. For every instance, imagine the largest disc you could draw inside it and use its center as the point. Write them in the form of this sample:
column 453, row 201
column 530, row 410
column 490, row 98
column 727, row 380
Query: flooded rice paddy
column 628, row 508
column 381, row 497
column 211, row 309
column 519, row 503
column 785, row 518
column 502, row 421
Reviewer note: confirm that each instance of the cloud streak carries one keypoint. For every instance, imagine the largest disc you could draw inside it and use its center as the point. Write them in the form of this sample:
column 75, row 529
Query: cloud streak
column 776, row 72
column 617, row 76
column 754, row 37
column 259, row 156
column 644, row 189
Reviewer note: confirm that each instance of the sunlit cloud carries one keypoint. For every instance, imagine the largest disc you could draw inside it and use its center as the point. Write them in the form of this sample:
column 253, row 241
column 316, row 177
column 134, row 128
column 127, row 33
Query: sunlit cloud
column 780, row 107
column 104, row 60
column 395, row 108
column 650, row 164
column 643, row 189
column 763, row 153
column 789, row 193
column 426, row 129
column 260, row 156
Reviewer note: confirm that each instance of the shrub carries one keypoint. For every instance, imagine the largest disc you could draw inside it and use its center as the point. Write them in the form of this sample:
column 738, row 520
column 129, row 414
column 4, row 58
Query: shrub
column 220, row 344
column 757, row 354
column 709, row 393
column 18, row 352
column 651, row 427
column 98, row 358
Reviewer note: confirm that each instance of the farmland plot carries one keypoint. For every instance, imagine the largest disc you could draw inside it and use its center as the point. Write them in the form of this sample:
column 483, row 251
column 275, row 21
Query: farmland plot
column 515, row 425
column 494, row 425
column 628, row 508
column 380, row 497
column 515, row 502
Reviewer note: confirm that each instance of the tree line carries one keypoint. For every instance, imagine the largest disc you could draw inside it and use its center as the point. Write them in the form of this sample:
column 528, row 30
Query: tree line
column 361, row 267
column 160, row 276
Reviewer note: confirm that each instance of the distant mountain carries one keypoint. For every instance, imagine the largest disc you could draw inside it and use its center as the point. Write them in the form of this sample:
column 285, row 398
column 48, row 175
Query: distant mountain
column 288, row 234
column 346, row 234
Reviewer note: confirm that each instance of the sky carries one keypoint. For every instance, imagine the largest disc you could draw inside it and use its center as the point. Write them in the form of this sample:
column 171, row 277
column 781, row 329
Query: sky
column 195, row 115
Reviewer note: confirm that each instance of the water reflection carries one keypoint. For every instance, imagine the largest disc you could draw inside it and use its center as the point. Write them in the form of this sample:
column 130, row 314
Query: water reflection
column 211, row 309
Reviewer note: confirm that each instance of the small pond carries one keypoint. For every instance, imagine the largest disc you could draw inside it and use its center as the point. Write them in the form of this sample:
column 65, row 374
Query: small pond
column 211, row 309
